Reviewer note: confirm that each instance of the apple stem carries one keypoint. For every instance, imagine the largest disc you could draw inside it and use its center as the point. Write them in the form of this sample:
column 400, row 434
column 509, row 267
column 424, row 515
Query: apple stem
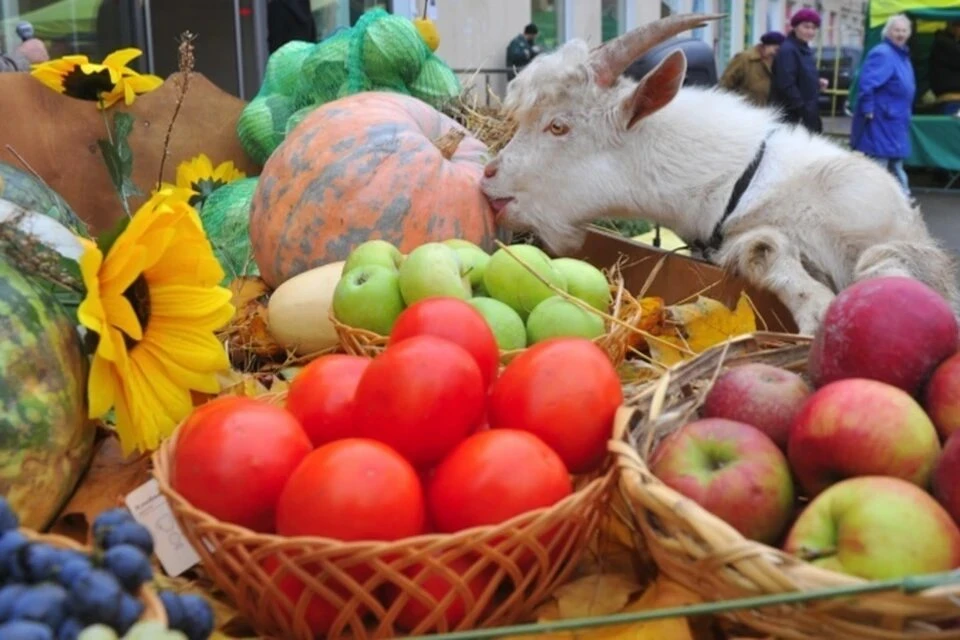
column 425, row 3
column 448, row 142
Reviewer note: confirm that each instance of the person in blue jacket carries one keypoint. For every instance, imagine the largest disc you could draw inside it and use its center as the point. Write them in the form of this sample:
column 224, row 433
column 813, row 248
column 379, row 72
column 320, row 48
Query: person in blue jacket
column 796, row 85
column 881, row 122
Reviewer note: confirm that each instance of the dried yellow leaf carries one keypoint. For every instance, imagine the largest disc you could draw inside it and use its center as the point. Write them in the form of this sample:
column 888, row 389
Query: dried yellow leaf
column 662, row 594
column 596, row 595
column 695, row 327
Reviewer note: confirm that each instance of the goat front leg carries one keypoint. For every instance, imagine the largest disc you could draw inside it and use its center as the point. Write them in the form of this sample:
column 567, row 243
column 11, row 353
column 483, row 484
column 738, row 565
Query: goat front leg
column 766, row 258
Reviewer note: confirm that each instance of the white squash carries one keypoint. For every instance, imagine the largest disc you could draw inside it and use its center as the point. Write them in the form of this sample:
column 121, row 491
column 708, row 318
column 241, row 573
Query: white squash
column 298, row 312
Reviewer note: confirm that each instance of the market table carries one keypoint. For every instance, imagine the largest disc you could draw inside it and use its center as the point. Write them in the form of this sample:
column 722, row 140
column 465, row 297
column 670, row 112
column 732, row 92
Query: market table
column 935, row 144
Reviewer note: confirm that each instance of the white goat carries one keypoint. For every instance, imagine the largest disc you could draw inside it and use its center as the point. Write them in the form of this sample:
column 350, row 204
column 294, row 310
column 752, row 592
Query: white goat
column 807, row 218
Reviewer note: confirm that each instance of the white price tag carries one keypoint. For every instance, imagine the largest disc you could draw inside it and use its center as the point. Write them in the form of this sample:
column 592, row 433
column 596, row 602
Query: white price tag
column 151, row 509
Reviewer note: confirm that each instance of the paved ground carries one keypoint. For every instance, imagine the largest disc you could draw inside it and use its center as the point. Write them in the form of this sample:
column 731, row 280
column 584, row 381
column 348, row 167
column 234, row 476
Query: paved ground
column 941, row 210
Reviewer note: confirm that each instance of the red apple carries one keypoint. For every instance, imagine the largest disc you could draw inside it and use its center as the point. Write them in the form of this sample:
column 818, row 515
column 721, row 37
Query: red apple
column 860, row 427
column 946, row 478
column 761, row 395
column 941, row 397
column 893, row 329
column 876, row 528
column 732, row 470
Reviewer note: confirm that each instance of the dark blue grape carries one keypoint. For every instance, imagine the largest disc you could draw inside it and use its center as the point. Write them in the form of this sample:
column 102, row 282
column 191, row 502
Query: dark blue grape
column 198, row 619
column 40, row 562
column 44, row 603
column 10, row 544
column 8, row 519
column 25, row 630
column 73, row 569
column 127, row 615
column 129, row 564
column 132, row 533
column 8, row 597
column 70, row 628
column 95, row 597
column 176, row 613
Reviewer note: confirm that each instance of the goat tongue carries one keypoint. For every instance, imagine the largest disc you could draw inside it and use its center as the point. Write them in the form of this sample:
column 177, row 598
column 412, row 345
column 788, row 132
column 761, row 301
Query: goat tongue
column 612, row 58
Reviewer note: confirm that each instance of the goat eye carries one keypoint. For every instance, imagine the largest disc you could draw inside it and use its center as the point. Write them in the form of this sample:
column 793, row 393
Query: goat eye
column 558, row 128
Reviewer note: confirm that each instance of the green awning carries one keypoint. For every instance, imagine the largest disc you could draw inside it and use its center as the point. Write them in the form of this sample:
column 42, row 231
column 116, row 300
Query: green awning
column 880, row 10
column 60, row 19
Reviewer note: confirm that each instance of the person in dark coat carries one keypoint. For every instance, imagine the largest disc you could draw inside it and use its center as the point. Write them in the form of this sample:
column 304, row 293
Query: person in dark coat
column 289, row 20
column 881, row 122
column 945, row 68
column 796, row 86
column 522, row 50
column 749, row 71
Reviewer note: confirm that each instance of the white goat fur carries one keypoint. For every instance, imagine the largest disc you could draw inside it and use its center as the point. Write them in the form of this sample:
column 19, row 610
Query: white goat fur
column 815, row 218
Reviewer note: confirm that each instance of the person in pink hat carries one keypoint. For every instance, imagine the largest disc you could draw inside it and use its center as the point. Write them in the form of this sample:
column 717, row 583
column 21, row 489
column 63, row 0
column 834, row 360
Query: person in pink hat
column 796, row 86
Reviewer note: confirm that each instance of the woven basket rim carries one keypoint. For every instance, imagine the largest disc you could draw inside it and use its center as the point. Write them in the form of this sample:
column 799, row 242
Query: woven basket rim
column 162, row 460
column 635, row 475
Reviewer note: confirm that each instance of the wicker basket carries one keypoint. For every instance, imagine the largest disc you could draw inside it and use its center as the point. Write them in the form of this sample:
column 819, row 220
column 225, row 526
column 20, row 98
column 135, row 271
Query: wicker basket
column 522, row 561
column 708, row 556
column 625, row 314
column 153, row 606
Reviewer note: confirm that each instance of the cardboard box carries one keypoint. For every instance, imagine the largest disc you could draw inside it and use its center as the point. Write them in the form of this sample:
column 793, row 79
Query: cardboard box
column 680, row 278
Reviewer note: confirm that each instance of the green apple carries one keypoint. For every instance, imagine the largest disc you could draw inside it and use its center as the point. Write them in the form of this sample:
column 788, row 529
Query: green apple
column 473, row 258
column 510, row 282
column 585, row 281
column 557, row 317
column 431, row 270
column 378, row 252
column 506, row 323
column 368, row 297
column 877, row 528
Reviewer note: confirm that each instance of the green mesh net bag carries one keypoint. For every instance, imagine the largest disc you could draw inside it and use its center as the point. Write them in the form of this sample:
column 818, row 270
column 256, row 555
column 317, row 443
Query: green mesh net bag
column 226, row 219
column 382, row 52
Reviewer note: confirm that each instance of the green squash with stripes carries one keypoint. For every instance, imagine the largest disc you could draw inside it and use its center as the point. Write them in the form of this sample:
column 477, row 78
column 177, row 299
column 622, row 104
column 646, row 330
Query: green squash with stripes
column 46, row 439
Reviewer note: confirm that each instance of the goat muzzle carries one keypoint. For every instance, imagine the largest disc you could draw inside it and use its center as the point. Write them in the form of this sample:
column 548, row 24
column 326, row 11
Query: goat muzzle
column 611, row 59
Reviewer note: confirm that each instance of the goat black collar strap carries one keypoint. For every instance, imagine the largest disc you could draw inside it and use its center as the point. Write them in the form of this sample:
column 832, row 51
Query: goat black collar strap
column 716, row 238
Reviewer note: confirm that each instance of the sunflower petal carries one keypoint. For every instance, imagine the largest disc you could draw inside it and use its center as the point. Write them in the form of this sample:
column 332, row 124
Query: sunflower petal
column 185, row 301
column 205, row 382
column 91, row 315
column 193, row 348
column 122, row 57
column 129, row 95
column 151, row 391
column 143, row 83
column 123, row 266
column 122, row 316
column 127, row 431
column 101, row 389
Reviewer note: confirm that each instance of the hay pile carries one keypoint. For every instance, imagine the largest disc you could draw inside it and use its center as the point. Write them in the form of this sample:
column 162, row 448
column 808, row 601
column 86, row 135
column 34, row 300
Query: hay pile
column 486, row 123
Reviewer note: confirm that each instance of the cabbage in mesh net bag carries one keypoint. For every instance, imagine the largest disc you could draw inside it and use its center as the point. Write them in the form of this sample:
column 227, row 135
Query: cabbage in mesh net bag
column 226, row 219
column 382, row 52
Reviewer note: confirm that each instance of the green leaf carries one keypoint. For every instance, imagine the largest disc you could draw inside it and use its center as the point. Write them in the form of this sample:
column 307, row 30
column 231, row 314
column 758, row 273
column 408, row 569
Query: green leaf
column 122, row 127
column 106, row 239
column 113, row 162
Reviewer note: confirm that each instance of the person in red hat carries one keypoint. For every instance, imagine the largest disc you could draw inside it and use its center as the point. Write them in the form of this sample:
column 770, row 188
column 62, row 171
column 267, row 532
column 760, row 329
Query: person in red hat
column 796, row 86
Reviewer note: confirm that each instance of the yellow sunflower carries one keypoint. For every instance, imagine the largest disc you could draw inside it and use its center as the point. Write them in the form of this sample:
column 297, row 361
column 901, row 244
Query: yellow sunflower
column 154, row 303
column 107, row 82
column 202, row 178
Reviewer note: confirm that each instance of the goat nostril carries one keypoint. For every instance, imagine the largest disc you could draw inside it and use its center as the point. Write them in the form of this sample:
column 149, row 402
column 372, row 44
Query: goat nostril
column 490, row 170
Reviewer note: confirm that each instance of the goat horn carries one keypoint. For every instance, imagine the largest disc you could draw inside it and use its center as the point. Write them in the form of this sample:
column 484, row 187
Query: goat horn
column 612, row 58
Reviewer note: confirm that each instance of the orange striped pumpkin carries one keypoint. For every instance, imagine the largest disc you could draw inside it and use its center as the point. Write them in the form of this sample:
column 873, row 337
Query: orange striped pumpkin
column 374, row 165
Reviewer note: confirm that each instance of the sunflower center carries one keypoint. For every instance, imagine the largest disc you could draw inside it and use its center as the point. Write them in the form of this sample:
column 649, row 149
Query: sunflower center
column 78, row 84
column 204, row 187
column 138, row 294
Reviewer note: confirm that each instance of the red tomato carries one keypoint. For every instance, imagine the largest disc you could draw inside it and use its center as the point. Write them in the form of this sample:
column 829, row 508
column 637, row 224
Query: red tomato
column 565, row 391
column 439, row 584
column 493, row 476
column 454, row 320
column 353, row 489
column 421, row 396
column 233, row 457
column 321, row 396
column 320, row 612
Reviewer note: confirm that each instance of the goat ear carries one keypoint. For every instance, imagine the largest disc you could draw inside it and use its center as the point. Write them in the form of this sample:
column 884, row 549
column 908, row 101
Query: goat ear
column 657, row 88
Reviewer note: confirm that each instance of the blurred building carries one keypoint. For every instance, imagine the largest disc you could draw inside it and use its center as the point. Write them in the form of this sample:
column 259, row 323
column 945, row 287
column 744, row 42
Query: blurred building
column 232, row 50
